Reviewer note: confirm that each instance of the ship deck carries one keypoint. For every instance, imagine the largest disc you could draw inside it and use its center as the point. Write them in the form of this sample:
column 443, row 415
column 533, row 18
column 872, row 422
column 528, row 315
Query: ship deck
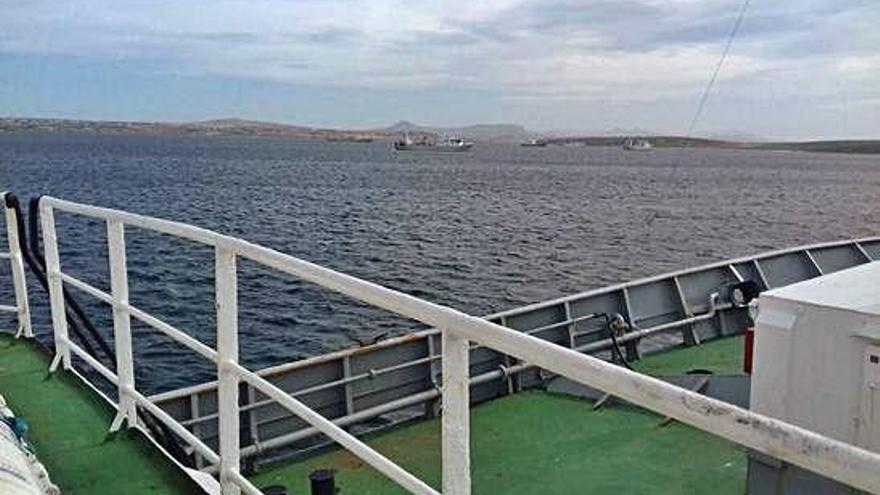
column 540, row 442
column 521, row 443
column 68, row 426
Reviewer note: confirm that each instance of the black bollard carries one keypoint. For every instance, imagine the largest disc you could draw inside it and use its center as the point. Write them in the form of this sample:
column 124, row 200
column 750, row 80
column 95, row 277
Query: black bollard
column 323, row 482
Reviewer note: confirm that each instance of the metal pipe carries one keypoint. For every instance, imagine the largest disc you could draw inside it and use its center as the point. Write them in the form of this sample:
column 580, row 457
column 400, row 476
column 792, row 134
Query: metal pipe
column 340, row 436
column 143, row 316
column 491, row 375
column 175, row 427
column 203, row 387
column 91, row 361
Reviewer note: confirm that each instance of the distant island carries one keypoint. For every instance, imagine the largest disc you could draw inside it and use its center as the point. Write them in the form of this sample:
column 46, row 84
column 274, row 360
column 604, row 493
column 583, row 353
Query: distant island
column 499, row 133
column 866, row 146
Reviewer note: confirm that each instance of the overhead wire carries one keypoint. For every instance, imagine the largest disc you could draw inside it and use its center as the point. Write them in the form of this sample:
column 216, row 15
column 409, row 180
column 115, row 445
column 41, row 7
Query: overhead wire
column 730, row 37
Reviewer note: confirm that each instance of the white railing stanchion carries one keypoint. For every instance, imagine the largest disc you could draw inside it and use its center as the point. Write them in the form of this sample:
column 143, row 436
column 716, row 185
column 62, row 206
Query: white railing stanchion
column 18, row 279
column 121, row 325
column 227, row 379
column 56, row 289
column 456, row 415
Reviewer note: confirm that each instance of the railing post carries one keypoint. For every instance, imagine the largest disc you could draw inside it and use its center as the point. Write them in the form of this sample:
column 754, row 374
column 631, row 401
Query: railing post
column 227, row 353
column 121, row 324
column 456, row 415
column 18, row 278
column 56, row 289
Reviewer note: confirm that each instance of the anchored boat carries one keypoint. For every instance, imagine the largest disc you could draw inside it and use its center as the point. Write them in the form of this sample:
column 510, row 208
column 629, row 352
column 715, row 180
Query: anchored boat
column 425, row 144
column 637, row 144
column 679, row 345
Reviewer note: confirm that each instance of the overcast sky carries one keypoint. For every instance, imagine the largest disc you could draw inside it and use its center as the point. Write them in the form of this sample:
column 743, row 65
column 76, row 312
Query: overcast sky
column 798, row 69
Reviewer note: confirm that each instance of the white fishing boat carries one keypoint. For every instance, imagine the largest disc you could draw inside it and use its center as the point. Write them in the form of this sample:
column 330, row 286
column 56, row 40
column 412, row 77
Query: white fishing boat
column 444, row 144
column 637, row 144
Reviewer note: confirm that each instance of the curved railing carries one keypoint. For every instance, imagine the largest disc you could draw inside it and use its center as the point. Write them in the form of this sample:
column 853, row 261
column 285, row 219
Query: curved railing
column 831, row 458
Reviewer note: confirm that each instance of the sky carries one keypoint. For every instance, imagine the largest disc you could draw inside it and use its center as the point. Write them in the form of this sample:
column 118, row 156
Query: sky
column 797, row 69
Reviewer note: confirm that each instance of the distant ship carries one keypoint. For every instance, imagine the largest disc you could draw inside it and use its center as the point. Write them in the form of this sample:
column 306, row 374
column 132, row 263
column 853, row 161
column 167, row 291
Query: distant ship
column 444, row 144
column 637, row 144
column 534, row 143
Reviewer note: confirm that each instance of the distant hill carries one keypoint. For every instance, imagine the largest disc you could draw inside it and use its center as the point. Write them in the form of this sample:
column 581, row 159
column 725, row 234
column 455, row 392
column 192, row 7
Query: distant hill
column 838, row 146
column 217, row 127
column 656, row 141
column 861, row 146
column 477, row 132
column 509, row 133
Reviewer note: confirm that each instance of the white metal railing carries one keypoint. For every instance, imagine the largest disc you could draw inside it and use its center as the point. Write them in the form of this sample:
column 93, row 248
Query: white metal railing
column 16, row 262
column 832, row 458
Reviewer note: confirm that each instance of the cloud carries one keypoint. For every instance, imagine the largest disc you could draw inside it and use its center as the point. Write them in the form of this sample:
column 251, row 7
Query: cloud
column 633, row 50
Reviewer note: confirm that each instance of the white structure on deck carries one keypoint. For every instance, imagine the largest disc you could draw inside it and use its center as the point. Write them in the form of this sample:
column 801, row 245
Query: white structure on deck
column 817, row 364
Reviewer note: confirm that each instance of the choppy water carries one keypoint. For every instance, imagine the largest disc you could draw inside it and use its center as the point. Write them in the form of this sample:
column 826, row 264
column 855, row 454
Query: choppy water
column 482, row 231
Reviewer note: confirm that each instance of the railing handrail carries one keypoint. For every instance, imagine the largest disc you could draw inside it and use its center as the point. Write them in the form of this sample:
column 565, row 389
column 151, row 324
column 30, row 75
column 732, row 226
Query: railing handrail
column 835, row 459
column 19, row 282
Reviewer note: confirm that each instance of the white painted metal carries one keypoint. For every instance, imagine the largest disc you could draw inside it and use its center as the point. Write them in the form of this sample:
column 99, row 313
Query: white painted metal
column 174, row 426
column 121, row 324
column 174, row 333
column 144, row 317
column 94, row 363
column 862, row 251
column 813, row 262
column 56, row 289
column 22, row 307
column 811, row 340
column 340, row 436
column 832, row 458
column 225, row 274
column 244, row 483
column 870, row 417
column 88, row 289
column 760, row 270
column 456, row 415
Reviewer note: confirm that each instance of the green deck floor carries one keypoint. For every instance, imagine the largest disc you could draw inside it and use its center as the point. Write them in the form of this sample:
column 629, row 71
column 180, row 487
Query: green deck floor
column 68, row 425
column 537, row 442
column 721, row 357
column 533, row 442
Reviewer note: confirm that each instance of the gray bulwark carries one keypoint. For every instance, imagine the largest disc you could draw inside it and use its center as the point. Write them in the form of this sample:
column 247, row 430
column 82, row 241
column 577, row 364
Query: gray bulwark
column 398, row 379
